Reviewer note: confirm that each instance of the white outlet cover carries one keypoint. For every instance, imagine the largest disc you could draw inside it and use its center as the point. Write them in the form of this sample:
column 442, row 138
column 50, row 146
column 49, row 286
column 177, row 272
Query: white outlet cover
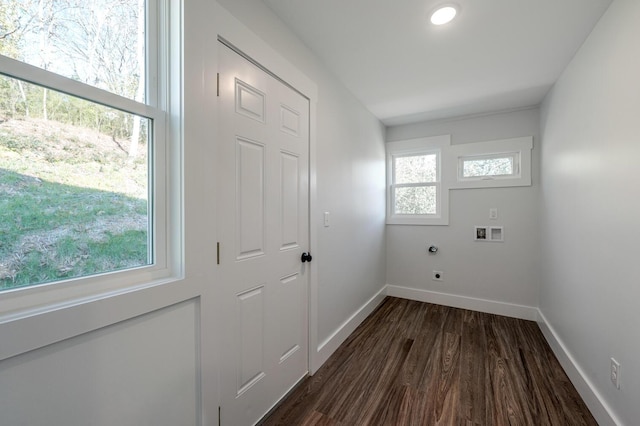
column 615, row 373
column 495, row 233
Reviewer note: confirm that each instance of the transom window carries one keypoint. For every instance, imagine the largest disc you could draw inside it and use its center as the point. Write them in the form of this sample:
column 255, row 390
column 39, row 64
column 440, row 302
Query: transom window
column 81, row 140
column 489, row 166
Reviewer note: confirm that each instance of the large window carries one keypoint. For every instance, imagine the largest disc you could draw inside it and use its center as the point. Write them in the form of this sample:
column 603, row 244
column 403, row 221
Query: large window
column 81, row 140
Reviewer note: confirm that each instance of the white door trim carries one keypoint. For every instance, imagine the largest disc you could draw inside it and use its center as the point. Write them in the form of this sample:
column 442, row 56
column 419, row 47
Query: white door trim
column 253, row 47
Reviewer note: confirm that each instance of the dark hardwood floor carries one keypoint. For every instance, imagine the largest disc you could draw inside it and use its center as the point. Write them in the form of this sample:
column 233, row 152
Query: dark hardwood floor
column 413, row 363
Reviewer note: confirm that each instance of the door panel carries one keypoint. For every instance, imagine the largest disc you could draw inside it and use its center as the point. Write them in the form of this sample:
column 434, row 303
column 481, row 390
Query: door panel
column 250, row 159
column 250, row 336
column 263, row 172
column 289, row 171
column 290, row 120
column 250, row 102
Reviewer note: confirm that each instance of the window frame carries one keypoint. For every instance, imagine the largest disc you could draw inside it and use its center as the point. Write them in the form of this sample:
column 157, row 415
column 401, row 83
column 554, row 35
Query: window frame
column 424, row 184
column 520, row 147
column 417, row 147
column 163, row 82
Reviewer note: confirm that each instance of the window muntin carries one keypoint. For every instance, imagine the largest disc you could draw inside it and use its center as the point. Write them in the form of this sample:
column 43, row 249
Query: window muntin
column 77, row 221
column 415, row 184
column 488, row 166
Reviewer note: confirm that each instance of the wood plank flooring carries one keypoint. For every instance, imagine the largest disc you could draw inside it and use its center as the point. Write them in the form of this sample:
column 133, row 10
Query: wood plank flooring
column 413, row 363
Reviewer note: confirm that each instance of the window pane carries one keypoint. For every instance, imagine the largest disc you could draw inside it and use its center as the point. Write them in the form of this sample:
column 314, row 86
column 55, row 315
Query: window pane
column 415, row 169
column 97, row 42
column 488, row 167
column 74, row 190
column 415, row 200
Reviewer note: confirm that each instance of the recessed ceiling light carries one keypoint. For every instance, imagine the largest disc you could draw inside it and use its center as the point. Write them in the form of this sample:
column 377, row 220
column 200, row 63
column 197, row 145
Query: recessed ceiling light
column 444, row 14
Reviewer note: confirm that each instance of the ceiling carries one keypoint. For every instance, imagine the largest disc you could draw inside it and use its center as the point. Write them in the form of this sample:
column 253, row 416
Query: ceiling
column 496, row 55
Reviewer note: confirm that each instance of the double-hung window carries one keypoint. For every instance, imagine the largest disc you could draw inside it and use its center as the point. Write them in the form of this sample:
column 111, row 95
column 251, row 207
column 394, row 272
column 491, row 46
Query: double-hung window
column 415, row 184
column 82, row 140
column 414, row 177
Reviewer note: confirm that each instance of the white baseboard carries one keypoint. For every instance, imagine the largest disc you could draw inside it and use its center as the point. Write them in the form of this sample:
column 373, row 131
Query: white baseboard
column 597, row 405
column 327, row 347
column 464, row 302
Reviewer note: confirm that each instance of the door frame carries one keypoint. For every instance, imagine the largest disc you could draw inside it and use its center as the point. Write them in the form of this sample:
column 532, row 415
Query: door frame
column 240, row 39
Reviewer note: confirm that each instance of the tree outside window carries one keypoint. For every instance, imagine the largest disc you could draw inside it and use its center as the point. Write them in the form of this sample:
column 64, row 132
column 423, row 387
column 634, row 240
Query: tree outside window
column 75, row 171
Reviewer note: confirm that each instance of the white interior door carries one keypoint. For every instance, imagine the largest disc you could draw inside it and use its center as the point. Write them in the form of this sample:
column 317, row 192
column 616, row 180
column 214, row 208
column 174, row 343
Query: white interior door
column 264, row 229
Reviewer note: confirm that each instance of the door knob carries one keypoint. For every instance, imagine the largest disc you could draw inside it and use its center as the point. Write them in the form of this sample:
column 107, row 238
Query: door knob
column 306, row 257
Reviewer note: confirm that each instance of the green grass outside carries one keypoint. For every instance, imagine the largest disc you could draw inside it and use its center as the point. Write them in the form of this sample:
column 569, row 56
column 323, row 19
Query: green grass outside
column 68, row 209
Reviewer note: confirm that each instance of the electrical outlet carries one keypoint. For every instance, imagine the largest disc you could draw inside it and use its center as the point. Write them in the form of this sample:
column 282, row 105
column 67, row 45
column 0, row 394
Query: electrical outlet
column 615, row 373
column 438, row 275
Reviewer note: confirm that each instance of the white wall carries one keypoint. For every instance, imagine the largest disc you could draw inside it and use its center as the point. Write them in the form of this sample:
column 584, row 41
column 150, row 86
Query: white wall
column 140, row 371
column 591, row 208
column 503, row 275
column 350, row 260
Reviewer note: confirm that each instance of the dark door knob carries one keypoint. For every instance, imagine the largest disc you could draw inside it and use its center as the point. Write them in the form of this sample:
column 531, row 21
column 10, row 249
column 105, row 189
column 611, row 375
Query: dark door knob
column 306, row 257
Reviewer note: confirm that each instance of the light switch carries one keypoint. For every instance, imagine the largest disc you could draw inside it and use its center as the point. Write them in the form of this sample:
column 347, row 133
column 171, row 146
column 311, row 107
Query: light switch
column 326, row 219
column 493, row 213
